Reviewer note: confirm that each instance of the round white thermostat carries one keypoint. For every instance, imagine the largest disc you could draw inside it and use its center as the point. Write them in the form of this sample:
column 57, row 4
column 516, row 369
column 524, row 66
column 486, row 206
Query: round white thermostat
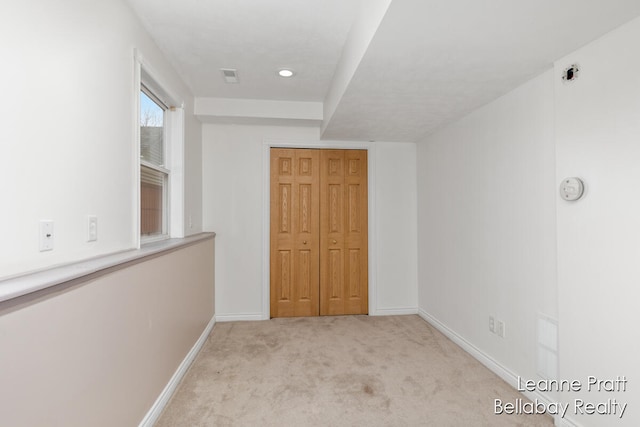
column 571, row 189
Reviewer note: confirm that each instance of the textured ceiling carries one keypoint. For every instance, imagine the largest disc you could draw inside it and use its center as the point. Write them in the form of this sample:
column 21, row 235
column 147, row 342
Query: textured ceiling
column 256, row 37
column 428, row 63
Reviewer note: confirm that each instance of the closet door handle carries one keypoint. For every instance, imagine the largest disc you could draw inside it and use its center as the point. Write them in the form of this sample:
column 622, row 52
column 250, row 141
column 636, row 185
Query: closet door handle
column 335, row 241
column 304, row 242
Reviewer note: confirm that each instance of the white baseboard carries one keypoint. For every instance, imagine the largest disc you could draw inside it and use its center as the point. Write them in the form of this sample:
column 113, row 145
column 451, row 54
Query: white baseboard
column 158, row 406
column 480, row 356
column 495, row 367
column 240, row 317
column 395, row 311
column 565, row 422
column 259, row 316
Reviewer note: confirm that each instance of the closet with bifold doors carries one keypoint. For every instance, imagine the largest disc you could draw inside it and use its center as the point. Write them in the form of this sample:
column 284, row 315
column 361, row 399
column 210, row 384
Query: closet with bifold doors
column 318, row 232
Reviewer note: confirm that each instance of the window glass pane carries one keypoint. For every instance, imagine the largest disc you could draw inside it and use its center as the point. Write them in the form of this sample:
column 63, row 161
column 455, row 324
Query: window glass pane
column 152, row 201
column 151, row 131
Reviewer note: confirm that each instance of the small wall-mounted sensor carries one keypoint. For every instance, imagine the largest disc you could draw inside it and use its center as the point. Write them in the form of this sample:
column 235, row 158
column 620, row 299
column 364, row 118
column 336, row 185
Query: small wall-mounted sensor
column 571, row 73
column 571, row 189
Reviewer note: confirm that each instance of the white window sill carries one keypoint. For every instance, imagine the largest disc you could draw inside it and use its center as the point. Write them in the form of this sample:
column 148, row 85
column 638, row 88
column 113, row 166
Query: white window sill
column 147, row 240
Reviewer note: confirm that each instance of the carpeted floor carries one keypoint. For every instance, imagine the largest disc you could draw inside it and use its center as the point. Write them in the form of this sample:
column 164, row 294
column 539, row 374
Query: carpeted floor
column 338, row 371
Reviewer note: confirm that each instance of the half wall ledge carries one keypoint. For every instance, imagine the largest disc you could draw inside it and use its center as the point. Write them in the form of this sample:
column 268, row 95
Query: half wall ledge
column 40, row 280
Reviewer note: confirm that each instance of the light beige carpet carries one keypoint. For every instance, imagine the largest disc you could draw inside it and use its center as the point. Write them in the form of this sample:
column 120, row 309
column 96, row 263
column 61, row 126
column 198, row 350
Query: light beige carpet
column 338, row 371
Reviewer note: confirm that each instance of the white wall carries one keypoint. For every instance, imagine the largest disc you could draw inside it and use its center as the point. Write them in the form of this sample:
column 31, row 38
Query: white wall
column 397, row 227
column 66, row 146
column 598, row 139
column 486, row 220
column 233, row 208
column 100, row 352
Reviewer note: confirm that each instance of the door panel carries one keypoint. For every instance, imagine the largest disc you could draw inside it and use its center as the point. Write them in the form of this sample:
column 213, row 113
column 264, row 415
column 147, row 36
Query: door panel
column 294, row 232
column 356, row 233
column 284, row 283
column 331, row 232
column 343, row 232
column 318, row 232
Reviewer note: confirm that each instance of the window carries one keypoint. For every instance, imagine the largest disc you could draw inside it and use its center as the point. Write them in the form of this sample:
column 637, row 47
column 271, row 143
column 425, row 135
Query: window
column 159, row 157
column 154, row 174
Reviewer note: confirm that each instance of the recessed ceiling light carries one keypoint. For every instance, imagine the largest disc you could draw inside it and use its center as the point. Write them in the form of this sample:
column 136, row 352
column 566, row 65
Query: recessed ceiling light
column 285, row 72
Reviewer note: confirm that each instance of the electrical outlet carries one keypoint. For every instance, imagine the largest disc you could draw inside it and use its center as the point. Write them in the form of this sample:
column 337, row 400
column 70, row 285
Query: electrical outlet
column 492, row 324
column 500, row 328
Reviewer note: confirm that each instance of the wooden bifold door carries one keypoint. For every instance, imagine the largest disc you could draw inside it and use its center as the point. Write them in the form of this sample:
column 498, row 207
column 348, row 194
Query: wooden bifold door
column 318, row 257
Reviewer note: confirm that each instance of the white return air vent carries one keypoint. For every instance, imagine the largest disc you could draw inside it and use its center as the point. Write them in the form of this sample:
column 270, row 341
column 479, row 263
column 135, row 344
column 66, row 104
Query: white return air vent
column 230, row 75
column 547, row 347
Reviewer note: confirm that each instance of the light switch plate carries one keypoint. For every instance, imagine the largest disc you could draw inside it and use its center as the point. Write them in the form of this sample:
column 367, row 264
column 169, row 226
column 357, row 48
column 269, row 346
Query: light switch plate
column 92, row 234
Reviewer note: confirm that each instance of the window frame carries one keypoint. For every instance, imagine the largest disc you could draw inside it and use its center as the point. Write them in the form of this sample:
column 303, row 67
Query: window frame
column 173, row 153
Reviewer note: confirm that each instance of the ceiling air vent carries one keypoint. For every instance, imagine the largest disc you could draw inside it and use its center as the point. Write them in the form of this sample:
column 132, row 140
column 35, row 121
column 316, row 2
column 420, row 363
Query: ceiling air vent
column 230, row 75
